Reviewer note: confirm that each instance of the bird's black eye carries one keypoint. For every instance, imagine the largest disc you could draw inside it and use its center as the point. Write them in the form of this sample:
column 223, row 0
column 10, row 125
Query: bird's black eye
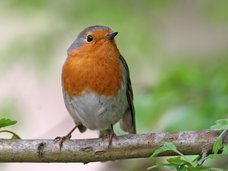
column 89, row 38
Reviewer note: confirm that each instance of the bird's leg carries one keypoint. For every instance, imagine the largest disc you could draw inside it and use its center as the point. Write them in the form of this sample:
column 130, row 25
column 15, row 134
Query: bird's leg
column 108, row 134
column 111, row 135
column 62, row 139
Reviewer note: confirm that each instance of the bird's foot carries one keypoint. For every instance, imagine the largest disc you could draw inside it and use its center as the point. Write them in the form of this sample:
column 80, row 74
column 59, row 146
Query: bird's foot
column 108, row 134
column 62, row 139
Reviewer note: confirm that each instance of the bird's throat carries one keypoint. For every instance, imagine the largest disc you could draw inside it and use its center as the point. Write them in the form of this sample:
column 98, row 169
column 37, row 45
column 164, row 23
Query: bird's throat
column 99, row 74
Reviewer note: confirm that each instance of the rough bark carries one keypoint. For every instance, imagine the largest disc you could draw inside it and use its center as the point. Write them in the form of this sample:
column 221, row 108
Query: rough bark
column 92, row 150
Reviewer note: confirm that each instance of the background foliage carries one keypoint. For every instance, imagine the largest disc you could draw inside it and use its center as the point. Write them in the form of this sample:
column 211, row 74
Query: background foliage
column 176, row 51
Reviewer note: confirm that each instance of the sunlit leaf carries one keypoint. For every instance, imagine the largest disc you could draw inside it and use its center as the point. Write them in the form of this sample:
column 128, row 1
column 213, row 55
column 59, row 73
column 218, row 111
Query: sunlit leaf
column 217, row 145
column 168, row 146
column 179, row 161
column 220, row 124
column 6, row 122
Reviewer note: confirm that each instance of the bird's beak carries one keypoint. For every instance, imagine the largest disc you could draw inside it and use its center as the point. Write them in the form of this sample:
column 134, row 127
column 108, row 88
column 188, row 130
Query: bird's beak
column 112, row 35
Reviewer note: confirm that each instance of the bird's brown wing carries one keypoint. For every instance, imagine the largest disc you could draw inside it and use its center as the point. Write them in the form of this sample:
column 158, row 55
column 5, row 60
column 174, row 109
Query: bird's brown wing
column 127, row 123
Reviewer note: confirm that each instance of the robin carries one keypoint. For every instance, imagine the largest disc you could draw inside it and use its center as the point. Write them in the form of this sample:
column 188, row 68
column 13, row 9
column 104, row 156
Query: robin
column 96, row 84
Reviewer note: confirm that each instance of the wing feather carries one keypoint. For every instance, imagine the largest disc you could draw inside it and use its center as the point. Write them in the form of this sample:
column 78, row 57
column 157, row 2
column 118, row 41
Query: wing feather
column 127, row 123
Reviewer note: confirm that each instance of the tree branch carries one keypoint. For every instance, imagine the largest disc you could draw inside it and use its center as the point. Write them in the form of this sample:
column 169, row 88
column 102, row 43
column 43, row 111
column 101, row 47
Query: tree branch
column 91, row 150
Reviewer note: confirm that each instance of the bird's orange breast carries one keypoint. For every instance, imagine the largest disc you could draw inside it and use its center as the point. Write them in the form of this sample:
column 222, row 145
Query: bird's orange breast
column 99, row 71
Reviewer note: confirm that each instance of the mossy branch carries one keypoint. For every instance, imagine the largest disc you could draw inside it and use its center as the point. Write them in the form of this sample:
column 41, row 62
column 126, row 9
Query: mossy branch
column 92, row 150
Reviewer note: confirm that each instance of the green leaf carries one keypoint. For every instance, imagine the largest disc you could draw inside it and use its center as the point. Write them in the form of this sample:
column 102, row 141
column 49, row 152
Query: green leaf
column 220, row 124
column 15, row 137
column 217, row 145
column 6, row 122
column 168, row 146
column 179, row 161
column 225, row 149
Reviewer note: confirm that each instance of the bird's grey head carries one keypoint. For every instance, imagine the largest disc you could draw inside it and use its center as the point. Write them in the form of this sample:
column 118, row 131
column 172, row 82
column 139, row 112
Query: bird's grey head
column 82, row 37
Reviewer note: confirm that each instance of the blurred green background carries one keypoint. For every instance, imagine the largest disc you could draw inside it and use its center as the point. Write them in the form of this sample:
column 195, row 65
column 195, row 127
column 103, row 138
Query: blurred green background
column 177, row 52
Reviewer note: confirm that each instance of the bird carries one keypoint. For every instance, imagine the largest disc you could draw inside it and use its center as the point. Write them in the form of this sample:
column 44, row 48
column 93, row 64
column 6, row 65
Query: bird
column 96, row 84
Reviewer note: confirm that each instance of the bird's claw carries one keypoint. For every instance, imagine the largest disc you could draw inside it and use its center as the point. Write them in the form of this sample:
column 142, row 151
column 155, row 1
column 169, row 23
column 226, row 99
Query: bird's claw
column 61, row 140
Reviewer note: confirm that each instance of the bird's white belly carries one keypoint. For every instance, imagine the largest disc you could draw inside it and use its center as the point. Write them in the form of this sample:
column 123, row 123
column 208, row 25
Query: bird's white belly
column 95, row 111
